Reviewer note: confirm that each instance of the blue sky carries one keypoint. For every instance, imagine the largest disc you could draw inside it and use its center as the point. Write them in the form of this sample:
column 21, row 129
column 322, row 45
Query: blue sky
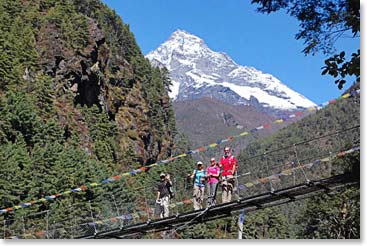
column 265, row 42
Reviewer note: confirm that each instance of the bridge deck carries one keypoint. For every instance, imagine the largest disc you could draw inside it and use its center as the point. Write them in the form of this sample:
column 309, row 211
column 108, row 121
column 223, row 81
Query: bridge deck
column 261, row 201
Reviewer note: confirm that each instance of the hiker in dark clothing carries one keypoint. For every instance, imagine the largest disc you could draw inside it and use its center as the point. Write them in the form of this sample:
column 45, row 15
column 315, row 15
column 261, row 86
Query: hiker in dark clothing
column 163, row 194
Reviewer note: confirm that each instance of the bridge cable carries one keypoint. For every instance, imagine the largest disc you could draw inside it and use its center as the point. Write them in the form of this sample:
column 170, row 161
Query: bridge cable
column 145, row 168
column 299, row 164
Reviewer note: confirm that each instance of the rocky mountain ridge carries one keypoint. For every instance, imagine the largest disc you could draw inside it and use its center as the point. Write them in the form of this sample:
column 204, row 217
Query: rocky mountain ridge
column 197, row 71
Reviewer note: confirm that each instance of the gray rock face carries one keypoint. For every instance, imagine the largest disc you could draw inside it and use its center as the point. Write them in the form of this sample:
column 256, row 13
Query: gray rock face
column 196, row 71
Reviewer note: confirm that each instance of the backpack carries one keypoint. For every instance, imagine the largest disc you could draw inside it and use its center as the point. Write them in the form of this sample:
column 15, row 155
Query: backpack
column 170, row 190
column 201, row 182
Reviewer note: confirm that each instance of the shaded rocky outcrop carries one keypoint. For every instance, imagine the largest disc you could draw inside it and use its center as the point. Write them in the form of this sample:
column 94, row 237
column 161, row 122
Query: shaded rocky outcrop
column 93, row 60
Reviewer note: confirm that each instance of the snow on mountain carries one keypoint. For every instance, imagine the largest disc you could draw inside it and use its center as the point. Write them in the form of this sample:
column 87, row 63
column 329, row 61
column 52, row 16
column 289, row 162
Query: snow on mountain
column 196, row 71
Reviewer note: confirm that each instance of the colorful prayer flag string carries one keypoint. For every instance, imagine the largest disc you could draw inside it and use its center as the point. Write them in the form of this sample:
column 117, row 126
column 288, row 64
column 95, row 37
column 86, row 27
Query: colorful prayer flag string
column 201, row 149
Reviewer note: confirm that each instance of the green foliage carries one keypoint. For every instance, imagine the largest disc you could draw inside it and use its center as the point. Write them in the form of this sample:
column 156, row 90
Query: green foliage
column 17, row 43
column 15, row 172
column 267, row 224
column 19, row 118
column 75, row 30
column 332, row 217
column 318, row 218
column 103, row 133
column 44, row 96
column 338, row 66
column 336, row 215
column 322, row 23
column 49, row 143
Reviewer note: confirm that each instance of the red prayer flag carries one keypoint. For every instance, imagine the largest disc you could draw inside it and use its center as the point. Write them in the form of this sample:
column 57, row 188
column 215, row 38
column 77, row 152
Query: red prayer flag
column 298, row 113
column 116, row 177
column 266, row 126
column 201, row 149
column 83, row 187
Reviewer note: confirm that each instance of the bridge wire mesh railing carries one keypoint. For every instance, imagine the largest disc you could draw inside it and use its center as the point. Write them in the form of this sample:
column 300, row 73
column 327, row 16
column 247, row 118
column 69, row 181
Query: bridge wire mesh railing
column 290, row 161
column 115, row 209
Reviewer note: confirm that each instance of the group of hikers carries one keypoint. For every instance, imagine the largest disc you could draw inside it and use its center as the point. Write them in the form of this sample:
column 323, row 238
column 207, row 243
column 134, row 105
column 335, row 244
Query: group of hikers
column 216, row 173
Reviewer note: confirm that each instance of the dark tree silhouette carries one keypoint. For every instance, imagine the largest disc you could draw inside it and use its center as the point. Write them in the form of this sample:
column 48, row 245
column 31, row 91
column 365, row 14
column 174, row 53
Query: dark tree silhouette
column 322, row 23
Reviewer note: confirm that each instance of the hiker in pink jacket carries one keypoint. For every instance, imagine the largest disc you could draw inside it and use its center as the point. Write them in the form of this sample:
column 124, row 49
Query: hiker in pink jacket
column 212, row 173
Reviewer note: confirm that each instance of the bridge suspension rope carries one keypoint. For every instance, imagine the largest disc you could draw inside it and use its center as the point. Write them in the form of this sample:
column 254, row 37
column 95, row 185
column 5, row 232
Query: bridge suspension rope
column 162, row 162
column 192, row 220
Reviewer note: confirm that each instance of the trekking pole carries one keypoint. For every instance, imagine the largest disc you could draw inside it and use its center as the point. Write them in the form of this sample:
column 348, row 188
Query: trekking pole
column 241, row 219
column 237, row 185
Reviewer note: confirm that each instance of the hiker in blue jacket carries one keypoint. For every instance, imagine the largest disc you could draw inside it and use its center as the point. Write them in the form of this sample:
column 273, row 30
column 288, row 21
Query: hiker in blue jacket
column 198, row 175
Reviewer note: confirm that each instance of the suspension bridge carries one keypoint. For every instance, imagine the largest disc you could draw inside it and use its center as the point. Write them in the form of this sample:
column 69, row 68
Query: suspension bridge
column 275, row 177
column 290, row 181
column 274, row 198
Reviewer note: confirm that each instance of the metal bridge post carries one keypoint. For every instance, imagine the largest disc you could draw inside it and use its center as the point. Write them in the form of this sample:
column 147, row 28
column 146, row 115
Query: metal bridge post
column 75, row 226
column 72, row 233
column 237, row 185
column 146, row 202
column 4, row 228
column 268, row 172
column 23, row 225
column 94, row 222
column 47, row 224
column 299, row 164
column 294, row 172
column 117, row 210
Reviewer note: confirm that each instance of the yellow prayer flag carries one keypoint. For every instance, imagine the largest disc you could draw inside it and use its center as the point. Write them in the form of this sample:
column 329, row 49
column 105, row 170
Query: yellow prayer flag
column 287, row 172
column 311, row 109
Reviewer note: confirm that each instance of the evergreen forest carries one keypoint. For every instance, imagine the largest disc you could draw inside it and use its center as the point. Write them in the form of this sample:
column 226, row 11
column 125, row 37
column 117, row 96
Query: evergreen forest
column 80, row 104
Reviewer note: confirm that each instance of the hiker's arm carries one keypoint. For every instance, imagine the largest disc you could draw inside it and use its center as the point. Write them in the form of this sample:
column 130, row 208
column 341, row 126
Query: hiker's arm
column 193, row 174
column 169, row 180
column 217, row 174
column 234, row 169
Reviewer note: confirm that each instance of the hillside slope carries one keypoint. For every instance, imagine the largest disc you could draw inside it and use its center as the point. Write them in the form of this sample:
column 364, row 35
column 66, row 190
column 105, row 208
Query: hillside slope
column 206, row 120
column 78, row 100
column 318, row 139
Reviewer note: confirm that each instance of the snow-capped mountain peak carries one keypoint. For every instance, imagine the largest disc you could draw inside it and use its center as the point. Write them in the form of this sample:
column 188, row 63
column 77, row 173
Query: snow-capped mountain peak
column 197, row 71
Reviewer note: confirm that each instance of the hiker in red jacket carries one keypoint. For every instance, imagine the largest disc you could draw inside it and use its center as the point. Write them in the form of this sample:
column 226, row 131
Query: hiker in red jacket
column 229, row 165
